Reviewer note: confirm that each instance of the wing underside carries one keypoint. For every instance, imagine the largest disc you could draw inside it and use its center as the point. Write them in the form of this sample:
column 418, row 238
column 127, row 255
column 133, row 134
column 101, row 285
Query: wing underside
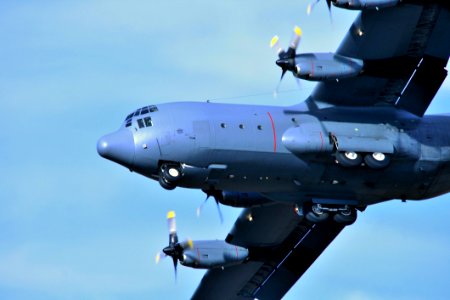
column 282, row 247
column 405, row 50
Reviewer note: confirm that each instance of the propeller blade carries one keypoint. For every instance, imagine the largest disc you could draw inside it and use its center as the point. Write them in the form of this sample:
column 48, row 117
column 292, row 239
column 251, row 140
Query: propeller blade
column 296, row 39
column 200, row 208
column 171, row 222
column 217, row 195
column 160, row 255
column 310, row 7
column 219, row 210
column 175, row 264
column 188, row 244
column 275, row 44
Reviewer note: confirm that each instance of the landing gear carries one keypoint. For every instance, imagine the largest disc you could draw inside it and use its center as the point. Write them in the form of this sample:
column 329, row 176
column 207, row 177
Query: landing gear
column 349, row 158
column 169, row 174
column 346, row 217
column 318, row 213
column 377, row 160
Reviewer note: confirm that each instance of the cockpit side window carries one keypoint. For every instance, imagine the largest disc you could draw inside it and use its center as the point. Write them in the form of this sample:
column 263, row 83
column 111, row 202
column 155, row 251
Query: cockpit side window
column 136, row 113
column 140, row 123
column 148, row 121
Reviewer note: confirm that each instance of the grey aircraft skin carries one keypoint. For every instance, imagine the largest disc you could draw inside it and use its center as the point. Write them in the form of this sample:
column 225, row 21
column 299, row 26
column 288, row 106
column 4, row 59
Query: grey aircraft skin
column 235, row 148
column 303, row 173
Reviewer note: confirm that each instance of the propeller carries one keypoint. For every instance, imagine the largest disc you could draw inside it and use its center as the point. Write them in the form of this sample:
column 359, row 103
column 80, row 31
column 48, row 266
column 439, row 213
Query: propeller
column 217, row 195
column 175, row 249
column 311, row 6
column 286, row 58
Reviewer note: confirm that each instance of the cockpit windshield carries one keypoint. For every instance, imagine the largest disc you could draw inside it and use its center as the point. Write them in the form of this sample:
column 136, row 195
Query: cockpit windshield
column 139, row 112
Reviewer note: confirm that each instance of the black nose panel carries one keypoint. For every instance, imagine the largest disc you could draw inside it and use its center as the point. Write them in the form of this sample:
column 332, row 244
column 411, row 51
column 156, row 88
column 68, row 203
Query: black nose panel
column 118, row 147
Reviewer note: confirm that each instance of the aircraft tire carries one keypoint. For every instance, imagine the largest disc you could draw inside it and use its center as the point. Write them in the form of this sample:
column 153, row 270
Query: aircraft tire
column 346, row 219
column 315, row 218
column 377, row 160
column 167, row 185
column 349, row 159
column 171, row 173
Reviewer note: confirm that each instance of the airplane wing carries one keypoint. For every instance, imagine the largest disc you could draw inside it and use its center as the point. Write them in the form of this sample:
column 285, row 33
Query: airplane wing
column 405, row 50
column 282, row 246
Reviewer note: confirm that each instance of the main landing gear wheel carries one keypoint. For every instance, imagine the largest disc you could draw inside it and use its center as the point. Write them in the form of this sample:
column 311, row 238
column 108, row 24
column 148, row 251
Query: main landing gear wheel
column 349, row 158
column 377, row 160
column 346, row 217
column 315, row 214
column 169, row 174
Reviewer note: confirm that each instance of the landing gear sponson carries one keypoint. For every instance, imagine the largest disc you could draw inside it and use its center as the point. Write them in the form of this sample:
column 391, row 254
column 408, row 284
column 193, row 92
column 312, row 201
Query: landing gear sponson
column 375, row 160
column 318, row 213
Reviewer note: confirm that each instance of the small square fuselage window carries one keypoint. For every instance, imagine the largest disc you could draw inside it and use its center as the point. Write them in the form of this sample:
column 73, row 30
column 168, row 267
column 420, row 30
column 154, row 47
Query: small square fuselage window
column 148, row 122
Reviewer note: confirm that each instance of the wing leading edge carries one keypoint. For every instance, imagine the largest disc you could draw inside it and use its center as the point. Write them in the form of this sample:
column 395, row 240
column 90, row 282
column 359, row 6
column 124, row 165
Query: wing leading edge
column 275, row 263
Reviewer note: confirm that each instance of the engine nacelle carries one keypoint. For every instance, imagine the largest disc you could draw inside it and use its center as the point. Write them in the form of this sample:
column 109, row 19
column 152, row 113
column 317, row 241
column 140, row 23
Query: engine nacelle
column 237, row 199
column 326, row 66
column 364, row 4
column 212, row 254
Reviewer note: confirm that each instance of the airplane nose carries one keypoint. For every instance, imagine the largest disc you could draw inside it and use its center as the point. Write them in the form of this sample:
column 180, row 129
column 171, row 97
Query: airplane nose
column 118, row 147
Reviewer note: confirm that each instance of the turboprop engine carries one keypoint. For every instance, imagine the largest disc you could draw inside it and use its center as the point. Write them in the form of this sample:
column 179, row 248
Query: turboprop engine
column 200, row 254
column 314, row 66
column 212, row 254
column 322, row 66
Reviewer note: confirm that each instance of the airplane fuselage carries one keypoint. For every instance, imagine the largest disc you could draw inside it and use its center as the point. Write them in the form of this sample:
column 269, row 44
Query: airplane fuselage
column 242, row 148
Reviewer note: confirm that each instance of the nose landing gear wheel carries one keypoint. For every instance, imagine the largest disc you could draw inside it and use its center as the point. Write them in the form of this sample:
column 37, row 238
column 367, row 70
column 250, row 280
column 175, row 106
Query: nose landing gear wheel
column 377, row 160
column 169, row 174
column 348, row 158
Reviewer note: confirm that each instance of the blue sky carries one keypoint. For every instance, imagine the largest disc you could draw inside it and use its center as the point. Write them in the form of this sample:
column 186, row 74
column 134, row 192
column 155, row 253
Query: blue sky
column 73, row 225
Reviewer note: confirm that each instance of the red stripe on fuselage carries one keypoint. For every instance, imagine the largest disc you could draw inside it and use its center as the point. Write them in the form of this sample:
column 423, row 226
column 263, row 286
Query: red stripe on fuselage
column 274, row 133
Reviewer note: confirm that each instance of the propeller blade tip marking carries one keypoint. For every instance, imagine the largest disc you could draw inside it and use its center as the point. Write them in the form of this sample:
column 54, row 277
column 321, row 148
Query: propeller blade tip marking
column 171, row 214
column 273, row 41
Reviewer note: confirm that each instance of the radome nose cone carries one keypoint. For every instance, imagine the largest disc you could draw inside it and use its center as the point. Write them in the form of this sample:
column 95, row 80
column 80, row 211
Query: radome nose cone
column 118, row 147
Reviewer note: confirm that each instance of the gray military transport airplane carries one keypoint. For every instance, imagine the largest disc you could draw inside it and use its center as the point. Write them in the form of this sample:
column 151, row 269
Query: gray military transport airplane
column 303, row 173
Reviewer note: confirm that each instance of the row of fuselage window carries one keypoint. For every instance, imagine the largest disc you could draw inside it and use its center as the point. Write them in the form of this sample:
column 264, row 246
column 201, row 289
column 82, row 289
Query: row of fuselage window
column 147, row 122
column 241, row 126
